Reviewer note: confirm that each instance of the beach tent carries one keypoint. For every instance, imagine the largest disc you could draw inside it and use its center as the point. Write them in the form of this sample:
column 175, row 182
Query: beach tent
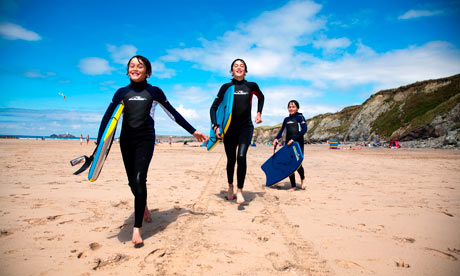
column 394, row 144
column 333, row 144
column 254, row 144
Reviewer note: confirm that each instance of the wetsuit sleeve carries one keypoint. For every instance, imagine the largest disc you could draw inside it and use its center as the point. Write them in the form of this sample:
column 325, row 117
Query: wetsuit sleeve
column 216, row 103
column 303, row 127
column 260, row 97
column 283, row 127
column 172, row 112
column 108, row 113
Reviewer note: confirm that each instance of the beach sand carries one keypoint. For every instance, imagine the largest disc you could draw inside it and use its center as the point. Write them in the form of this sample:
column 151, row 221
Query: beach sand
column 365, row 212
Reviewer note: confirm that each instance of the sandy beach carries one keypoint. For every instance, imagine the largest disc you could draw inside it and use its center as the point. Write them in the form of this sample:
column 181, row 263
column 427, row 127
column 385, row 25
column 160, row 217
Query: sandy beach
column 364, row 212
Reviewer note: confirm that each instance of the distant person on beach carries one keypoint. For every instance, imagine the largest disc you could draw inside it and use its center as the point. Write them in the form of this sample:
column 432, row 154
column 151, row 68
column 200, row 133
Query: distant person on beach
column 87, row 139
column 170, row 140
column 239, row 133
column 137, row 137
column 295, row 127
column 81, row 139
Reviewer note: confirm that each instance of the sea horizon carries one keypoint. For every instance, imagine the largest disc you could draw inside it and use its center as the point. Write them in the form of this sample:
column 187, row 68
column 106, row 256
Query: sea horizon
column 38, row 137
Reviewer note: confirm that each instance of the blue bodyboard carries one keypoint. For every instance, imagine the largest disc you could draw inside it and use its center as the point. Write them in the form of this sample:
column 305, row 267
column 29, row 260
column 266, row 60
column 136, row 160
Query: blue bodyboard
column 223, row 117
column 105, row 143
column 282, row 164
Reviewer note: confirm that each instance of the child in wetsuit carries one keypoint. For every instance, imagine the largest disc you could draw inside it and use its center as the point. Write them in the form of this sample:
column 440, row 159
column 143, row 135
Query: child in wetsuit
column 295, row 127
column 137, row 137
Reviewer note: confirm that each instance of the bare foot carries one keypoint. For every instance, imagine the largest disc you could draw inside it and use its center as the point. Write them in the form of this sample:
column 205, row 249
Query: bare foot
column 230, row 192
column 304, row 185
column 147, row 215
column 239, row 196
column 137, row 239
column 292, row 189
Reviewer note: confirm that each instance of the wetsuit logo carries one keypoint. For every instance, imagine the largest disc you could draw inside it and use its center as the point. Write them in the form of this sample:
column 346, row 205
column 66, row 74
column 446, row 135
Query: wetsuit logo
column 290, row 122
column 137, row 98
column 241, row 92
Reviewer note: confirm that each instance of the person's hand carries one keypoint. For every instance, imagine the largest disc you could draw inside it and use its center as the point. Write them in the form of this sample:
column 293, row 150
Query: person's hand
column 275, row 142
column 217, row 132
column 200, row 136
column 258, row 119
column 290, row 142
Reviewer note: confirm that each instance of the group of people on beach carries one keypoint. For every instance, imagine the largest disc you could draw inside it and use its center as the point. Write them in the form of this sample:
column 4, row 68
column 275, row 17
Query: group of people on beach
column 137, row 137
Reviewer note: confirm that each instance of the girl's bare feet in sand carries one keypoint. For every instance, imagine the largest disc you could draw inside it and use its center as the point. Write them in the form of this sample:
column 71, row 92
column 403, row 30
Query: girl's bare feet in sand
column 230, row 192
column 292, row 189
column 137, row 239
column 239, row 196
column 147, row 215
column 304, row 185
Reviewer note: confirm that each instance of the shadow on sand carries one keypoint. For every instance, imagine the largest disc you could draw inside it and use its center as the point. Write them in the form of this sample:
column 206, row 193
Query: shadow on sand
column 285, row 185
column 248, row 196
column 160, row 220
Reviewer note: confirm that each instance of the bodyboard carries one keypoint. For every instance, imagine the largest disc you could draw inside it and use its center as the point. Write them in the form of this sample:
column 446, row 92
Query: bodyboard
column 282, row 164
column 105, row 143
column 223, row 117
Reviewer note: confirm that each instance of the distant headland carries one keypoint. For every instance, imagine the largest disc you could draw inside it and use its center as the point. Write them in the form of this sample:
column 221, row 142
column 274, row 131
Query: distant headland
column 62, row 136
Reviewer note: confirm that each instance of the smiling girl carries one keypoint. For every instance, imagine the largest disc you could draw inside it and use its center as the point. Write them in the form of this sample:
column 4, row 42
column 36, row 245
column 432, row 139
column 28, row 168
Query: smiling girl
column 295, row 127
column 239, row 133
column 137, row 138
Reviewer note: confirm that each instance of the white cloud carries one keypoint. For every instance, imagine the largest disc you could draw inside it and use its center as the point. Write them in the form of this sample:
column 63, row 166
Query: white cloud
column 122, row 54
column 194, row 95
column 266, row 42
column 187, row 113
column 270, row 45
column 411, row 14
column 12, row 31
column 38, row 74
column 95, row 66
column 277, row 97
column 390, row 69
column 160, row 71
column 330, row 45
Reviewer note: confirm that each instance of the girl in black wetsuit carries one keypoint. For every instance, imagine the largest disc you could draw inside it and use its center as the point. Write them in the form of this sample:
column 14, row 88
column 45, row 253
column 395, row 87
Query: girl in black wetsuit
column 295, row 126
column 239, row 134
column 137, row 138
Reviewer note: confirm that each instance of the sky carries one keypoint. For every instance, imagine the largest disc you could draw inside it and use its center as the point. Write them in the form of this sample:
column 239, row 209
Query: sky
column 325, row 54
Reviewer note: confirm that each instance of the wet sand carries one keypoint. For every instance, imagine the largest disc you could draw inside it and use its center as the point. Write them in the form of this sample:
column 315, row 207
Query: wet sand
column 364, row 212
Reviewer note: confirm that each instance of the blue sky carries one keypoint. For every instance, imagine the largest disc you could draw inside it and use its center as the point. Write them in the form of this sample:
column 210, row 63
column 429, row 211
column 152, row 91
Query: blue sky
column 326, row 54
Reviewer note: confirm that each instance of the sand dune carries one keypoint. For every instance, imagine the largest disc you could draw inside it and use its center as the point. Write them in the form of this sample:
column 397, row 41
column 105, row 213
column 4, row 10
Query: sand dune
column 365, row 212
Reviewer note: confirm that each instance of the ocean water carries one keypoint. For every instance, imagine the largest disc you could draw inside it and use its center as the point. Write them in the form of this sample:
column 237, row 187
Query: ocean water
column 41, row 137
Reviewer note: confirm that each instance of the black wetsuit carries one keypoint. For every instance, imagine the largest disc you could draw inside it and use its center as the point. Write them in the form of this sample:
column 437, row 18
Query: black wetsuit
column 239, row 133
column 295, row 126
column 137, row 138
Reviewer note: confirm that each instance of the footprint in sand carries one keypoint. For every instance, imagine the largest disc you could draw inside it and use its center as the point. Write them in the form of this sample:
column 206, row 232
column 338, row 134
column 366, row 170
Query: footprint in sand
column 402, row 264
column 259, row 219
column 101, row 228
column 264, row 239
column 5, row 232
column 94, row 246
column 116, row 260
column 155, row 255
column 39, row 221
column 442, row 254
column 122, row 204
column 346, row 264
column 278, row 262
column 406, row 240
